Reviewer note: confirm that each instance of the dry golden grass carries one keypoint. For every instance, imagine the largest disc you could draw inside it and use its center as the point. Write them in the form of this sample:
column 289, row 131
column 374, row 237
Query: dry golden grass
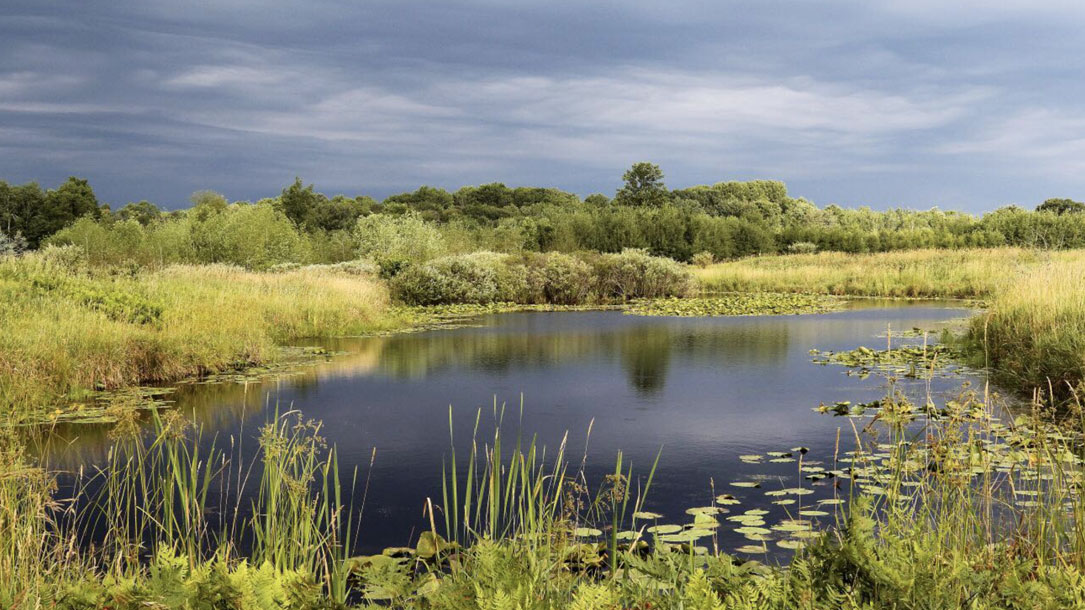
column 1033, row 334
column 54, row 347
column 973, row 273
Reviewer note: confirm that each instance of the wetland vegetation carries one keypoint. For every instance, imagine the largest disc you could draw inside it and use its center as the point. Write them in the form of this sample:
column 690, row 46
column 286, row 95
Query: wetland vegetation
column 924, row 499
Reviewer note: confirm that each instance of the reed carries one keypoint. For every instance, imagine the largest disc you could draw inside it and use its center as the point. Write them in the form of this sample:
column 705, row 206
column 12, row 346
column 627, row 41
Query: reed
column 66, row 331
column 1033, row 334
column 965, row 274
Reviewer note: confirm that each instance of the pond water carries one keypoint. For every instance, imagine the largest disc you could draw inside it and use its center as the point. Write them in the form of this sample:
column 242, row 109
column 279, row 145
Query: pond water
column 703, row 391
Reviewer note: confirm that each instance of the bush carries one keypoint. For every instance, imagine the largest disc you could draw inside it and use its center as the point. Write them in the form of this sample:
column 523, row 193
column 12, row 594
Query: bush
column 802, row 247
column 255, row 236
column 703, row 259
column 12, row 246
column 634, row 274
column 561, row 279
column 552, row 278
column 468, row 278
column 395, row 242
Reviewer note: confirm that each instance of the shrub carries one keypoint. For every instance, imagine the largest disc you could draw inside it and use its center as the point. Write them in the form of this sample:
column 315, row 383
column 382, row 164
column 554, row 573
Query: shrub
column 561, row 279
column 255, row 236
column 395, row 242
column 703, row 259
column 634, row 274
column 467, row 278
column 552, row 278
column 12, row 246
column 802, row 247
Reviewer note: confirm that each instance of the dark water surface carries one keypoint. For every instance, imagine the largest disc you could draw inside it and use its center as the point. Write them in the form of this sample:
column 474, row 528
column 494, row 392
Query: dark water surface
column 704, row 390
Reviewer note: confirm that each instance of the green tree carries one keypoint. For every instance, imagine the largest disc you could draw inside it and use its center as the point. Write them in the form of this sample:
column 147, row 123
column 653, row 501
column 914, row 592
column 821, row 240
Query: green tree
column 143, row 212
column 206, row 204
column 643, row 186
column 1061, row 206
column 298, row 202
column 26, row 209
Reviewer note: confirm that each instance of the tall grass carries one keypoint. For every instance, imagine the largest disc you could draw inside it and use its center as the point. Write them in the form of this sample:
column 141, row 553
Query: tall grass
column 164, row 518
column 956, row 510
column 1033, row 334
column 975, row 273
column 66, row 330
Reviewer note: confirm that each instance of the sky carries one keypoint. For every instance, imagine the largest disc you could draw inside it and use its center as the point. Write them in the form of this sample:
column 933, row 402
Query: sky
column 966, row 105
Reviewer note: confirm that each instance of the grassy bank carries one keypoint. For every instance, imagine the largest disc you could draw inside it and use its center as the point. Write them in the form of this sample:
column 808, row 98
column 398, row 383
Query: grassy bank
column 972, row 513
column 67, row 330
column 1033, row 334
column 966, row 274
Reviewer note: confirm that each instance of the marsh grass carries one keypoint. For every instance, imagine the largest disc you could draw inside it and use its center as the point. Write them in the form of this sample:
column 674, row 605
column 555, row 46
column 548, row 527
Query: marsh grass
column 943, row 509
column 1033, row 334
column 67, row 331
column 165, row 518
column 963, row 274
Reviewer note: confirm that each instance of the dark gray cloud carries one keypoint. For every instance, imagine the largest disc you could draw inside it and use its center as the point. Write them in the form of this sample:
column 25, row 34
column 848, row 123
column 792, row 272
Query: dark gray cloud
column 857, row 102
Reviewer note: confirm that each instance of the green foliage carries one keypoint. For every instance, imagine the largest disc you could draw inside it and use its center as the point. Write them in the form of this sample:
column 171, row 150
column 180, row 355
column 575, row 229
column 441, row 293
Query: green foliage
column 728, row 220
column 552, row 278
column 256, row 236
column 143, row 212
column 393, row 242
column 1061, row 206
column 482, row 277
column 634, row 274
column 643, row 186
column 316, row 212
column 802, row 247
column 12, row 245
column 559, row 278
column 756, row 304
column 36, row 214
column 702, row 259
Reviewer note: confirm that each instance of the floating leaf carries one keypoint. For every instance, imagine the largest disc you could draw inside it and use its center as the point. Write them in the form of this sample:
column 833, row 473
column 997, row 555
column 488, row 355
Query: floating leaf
column 752, row 549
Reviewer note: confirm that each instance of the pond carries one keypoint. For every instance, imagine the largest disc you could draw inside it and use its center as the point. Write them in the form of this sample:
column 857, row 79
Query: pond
column 702, row 391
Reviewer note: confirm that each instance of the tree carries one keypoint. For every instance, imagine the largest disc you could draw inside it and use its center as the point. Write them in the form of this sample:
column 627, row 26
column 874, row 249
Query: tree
column 597, row 199
column 299, row 202
column 643, row 186
column 1061, row 206
column 36, row 214
column 143, row 212
column 207, row 203
column 74, row 199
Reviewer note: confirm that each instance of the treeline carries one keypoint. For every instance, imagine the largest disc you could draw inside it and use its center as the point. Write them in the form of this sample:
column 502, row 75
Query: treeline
column 709, row 222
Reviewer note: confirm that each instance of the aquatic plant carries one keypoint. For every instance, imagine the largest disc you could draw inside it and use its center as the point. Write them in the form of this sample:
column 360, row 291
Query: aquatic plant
column 756, row 304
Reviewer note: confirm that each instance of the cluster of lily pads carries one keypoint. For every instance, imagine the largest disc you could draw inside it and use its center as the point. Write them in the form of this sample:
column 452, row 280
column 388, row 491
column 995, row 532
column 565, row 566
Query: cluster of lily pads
column 909, row 361
column 745, row 304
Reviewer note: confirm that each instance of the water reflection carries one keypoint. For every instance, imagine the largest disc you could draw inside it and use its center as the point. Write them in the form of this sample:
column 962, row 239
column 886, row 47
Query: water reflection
column 705, row 390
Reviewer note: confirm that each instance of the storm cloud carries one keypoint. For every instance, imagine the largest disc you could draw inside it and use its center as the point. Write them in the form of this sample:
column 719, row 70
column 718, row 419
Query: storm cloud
column 964, row 105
